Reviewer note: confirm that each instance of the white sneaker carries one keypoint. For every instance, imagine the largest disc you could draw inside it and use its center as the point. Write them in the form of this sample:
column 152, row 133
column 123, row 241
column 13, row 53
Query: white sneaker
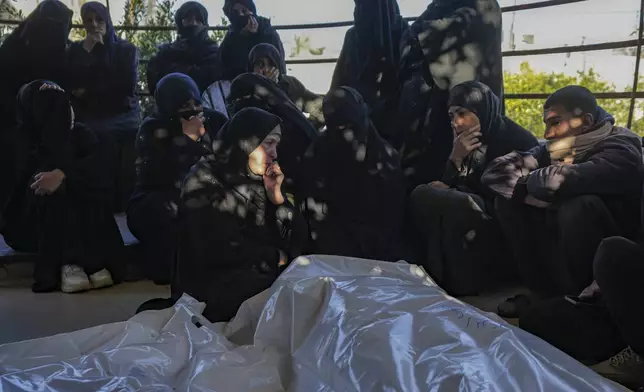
column 74, row 279
column 101, row 279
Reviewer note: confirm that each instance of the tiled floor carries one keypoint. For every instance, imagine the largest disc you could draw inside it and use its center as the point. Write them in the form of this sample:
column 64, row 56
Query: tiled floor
column 25, row 315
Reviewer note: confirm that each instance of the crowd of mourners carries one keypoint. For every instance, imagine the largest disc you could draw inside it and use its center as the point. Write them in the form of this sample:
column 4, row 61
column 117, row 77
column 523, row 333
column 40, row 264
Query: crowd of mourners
column 240, row 169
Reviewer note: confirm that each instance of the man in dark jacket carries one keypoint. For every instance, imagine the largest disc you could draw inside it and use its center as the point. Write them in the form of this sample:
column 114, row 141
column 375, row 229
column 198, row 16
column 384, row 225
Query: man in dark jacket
column 193, row 53
column 246, row 31
column 581, row 186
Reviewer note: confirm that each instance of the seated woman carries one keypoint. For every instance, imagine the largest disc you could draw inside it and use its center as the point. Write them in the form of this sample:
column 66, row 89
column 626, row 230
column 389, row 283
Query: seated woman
column 246, row 31
column 254, row 90
column 354, row 185
column 266, row 60
column 236, row 226
column 193, row 52
column 454, row 215
column 450, row 43
column 102, row 76
column 168, row 144
column 370, row 59
column 59, row 204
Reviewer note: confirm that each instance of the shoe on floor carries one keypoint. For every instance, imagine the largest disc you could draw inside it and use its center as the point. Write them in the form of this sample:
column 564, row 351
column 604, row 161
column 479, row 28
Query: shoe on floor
column 74, row 279
column 101, row 279
column 626, row 368
column 513, row 307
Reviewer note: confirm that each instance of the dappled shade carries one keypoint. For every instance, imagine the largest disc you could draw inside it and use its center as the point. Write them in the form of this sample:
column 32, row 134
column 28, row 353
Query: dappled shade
column 370, row 59
column 354, row 189
column 450, row 43
column 253, row 90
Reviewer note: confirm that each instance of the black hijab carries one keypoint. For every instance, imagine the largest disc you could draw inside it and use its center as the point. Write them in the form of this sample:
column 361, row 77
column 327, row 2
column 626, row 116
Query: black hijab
column 227, row 167
column 45, row 119
column 269, row 51
column 352, row 170
column 240, row 137
column 479, row 99
column 238, row 22
column 110, row 40
column 500, row 134
column 172, row 92
column 45, row 31
column 187, row 9
column 351, row 139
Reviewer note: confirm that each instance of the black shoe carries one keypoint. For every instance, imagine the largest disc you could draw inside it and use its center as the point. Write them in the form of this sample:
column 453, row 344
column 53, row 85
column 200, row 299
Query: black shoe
column 513, row 307
column 43, row 286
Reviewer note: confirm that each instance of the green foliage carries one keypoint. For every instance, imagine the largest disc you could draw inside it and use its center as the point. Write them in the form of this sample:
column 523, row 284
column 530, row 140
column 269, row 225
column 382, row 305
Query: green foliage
column 529, row 113
column 303, row 44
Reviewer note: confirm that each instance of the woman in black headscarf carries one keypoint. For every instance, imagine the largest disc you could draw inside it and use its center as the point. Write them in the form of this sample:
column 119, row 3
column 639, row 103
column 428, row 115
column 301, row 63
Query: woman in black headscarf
column 34, row 50
column 58, row 205
column 455, row 215
column 246, row 31
column 193, row 52
column 370, row 58
column 254, row 90
column 236, row 226
column 102, row 75
column 266, row 60
column 354, row 185
column 453, row 41
column 168, row 144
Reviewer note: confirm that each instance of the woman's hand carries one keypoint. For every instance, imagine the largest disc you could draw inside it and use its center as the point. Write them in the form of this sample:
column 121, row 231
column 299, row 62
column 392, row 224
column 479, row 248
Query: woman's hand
column 273, row 179
column 91, row 40
column 591, row 291
column 252, row 26
column 464, row 144
column 193, row 128
column 46, row 183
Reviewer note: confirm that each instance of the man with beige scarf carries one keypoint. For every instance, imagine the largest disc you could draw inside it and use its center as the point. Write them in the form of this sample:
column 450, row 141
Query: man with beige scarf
column 558, row 201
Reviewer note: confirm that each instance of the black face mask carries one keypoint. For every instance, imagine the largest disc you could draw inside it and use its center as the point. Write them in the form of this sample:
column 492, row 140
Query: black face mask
column 238, row 22
column 190, row 31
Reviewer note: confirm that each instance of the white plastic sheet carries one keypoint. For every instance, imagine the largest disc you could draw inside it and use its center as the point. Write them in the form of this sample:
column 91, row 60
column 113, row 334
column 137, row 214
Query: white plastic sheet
column 327, row 324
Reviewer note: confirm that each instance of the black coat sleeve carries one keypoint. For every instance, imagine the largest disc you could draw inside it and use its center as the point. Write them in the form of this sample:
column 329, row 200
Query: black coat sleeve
column 155, row 168
column 503, row 174
column 614, row 168
column 342, row 74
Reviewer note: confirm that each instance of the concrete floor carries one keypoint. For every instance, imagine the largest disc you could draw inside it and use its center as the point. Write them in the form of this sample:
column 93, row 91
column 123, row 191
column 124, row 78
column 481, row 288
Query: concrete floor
column 25, row 315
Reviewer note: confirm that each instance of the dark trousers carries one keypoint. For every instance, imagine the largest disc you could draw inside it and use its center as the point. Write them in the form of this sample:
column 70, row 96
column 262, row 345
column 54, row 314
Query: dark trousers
column 554, row 247
column 153, row 221
column 122, row 169
column 457, row 233
column 65, row 228
column 619, row 271
column 593, row 333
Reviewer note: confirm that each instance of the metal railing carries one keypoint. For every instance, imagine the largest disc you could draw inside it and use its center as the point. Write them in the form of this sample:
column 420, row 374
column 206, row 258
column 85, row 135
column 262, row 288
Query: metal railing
column 634, row 43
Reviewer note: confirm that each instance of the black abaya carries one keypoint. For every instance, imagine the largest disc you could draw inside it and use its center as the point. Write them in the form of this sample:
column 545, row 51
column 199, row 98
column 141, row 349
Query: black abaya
column 231, row 234
column 354, row 184
column 370, row 59
column 193, row 52
column 237, row 44
column 74, row 225
column 164, row 158
column 465, row 45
